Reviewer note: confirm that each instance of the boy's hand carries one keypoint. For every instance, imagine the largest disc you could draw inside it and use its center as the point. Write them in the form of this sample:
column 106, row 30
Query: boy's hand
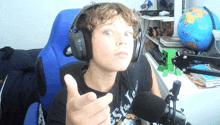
column 86, row 109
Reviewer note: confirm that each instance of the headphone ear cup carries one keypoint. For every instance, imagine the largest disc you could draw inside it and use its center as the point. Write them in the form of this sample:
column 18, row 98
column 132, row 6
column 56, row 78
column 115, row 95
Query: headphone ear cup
column 88, row 45
column 138, row 46
column 136, row 51
column 77, row 44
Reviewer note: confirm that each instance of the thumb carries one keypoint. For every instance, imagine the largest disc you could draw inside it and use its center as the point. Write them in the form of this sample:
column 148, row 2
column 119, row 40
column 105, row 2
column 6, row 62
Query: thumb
column 72, row 88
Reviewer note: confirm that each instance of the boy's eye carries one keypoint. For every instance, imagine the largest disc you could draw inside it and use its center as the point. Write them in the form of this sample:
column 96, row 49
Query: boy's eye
column 128, row 34
column 108, row 32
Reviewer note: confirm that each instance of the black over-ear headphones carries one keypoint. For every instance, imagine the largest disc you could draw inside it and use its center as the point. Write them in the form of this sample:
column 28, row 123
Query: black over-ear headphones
column 80, row 41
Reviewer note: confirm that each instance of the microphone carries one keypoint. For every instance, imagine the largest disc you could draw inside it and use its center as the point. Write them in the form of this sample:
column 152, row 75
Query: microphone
column 154, row 109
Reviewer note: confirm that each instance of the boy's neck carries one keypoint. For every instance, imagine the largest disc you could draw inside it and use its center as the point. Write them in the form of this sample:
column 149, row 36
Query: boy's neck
column 99, row 79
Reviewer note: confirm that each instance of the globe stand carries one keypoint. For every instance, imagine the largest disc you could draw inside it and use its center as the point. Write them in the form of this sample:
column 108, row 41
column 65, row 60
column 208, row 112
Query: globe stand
column 215, row 47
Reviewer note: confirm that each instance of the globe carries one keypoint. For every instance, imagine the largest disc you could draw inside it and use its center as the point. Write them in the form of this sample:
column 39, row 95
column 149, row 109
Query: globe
column 195, row 28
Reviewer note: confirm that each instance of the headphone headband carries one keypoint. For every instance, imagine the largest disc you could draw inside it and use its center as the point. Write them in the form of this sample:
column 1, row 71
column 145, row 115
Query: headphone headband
column 84, row 9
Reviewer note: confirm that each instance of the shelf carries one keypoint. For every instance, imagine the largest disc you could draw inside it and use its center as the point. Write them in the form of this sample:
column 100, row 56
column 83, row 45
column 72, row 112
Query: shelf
column 152, row 39
column 161, row 47
column 170, row 42
column 178, row 46
column 159, row 18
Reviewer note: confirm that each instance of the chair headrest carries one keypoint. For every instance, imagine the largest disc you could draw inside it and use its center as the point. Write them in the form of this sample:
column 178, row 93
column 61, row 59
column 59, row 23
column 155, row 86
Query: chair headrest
column 51, row 59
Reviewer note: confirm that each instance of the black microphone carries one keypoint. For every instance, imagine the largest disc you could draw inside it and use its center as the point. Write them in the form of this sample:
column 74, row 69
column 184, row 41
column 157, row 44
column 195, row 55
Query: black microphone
column 154, row 109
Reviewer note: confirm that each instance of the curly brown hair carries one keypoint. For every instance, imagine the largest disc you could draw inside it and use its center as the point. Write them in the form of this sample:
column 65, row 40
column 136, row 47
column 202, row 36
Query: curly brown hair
column 98, row 15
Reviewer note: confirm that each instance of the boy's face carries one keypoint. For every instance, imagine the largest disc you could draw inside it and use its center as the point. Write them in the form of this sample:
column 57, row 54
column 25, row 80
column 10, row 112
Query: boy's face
column 112, row 44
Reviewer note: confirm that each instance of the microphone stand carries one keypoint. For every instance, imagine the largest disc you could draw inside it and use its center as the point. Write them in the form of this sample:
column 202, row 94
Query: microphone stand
column 175, row 92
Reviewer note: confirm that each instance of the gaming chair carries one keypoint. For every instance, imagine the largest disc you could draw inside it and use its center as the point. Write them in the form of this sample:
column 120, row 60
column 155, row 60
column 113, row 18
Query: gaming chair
column 51, row 65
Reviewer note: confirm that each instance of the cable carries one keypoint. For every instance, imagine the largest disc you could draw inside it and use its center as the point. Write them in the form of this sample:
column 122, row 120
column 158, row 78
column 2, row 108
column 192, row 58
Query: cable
column 174, row 111
column 1, row 95
column 216, row 47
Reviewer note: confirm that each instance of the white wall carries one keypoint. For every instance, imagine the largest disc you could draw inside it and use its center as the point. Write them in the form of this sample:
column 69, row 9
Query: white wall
column 26, row 24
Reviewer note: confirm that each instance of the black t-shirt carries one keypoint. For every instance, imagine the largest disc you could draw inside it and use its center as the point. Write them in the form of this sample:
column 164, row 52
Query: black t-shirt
column 136, row 78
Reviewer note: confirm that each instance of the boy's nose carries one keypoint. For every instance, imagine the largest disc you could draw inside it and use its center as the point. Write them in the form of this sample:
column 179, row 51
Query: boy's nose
column 121, row 40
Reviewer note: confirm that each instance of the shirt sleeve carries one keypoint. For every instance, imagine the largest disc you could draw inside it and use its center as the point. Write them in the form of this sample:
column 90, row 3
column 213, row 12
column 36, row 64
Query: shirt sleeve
column 57, row 110
column 141, row 71
column 145, row 77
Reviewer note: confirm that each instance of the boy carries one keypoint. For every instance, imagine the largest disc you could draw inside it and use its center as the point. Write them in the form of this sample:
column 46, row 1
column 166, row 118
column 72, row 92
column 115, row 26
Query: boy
column 103, row 91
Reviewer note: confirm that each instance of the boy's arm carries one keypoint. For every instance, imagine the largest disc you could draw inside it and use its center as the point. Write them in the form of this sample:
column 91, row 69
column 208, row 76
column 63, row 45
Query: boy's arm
column 155, row 89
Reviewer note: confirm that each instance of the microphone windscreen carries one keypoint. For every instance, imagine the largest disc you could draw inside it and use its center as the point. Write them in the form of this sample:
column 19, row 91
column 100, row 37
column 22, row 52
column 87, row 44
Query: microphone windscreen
column 149, row 107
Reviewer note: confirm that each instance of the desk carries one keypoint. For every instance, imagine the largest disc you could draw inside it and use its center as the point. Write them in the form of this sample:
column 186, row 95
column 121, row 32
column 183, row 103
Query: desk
column 201, row 106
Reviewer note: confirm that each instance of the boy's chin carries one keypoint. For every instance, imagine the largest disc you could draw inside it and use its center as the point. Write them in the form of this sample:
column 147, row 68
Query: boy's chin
column 121, row 68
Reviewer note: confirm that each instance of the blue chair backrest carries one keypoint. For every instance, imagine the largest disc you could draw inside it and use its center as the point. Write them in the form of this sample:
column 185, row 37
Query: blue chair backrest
column 51, row 59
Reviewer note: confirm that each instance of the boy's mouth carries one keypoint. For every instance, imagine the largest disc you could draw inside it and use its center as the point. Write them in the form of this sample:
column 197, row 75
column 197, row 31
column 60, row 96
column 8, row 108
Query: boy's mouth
column 122, row 54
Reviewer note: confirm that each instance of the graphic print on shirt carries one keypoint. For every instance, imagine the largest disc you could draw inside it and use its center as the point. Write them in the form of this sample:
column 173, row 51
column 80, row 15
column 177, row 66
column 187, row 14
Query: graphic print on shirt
column 129, row 120
column 122, row 114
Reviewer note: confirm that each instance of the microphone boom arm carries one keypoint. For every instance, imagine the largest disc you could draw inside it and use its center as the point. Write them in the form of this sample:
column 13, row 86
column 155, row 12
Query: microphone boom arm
column 182, row 61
